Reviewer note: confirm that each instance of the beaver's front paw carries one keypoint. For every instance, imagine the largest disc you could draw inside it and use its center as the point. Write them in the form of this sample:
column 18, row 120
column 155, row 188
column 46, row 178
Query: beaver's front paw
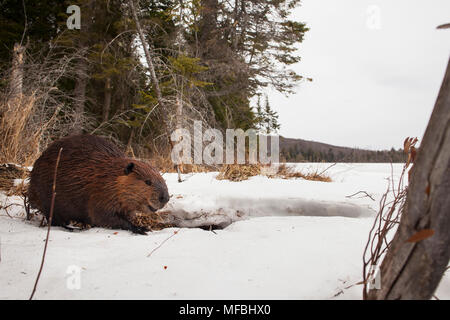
column 139, row 230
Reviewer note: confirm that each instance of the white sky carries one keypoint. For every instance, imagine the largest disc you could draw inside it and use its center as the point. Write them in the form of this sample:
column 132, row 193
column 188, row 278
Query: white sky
column 372, row 87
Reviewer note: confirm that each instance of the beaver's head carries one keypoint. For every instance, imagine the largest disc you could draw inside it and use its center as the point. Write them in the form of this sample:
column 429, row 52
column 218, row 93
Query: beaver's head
column 141, row 188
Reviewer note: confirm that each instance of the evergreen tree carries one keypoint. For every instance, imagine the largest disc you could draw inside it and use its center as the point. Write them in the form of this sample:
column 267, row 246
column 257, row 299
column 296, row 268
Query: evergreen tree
column 212, row 55
column 247, row 45
column 270, row 118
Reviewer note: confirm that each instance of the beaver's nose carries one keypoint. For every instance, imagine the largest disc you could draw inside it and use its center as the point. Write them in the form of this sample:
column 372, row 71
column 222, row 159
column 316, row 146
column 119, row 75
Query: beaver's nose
column 164, row 197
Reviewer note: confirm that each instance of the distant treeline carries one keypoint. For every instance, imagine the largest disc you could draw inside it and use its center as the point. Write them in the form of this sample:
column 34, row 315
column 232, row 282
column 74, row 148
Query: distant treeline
column 298, row 150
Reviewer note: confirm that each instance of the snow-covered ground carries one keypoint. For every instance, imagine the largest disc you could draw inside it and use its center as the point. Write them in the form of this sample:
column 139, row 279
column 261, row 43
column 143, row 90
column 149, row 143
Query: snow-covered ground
column 284, row 239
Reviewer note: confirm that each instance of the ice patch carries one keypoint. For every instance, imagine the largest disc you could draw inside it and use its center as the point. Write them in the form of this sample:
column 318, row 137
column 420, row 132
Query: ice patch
column 200, row 212
column 201, row 200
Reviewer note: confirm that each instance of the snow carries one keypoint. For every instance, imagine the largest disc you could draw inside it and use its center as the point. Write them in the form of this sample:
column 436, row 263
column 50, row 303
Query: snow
column 202, row 200
column 284, row 239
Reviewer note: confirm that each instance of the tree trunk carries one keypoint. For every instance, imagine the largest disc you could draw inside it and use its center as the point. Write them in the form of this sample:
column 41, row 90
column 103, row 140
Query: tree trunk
column 16, row 81
column 81, row 76
column 208, row 25
column 148, row 57
column 107, row 104
column 150, row 64
column 80, row 97
column 179, row 166
column 413, row 269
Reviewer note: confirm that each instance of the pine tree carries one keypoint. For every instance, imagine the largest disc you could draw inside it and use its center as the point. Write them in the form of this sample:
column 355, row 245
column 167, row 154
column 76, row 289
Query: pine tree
column 247, row 46
column 271, row 123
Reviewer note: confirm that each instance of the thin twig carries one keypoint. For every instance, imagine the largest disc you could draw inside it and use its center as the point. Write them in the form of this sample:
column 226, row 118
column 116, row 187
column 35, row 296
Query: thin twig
column 26, row 22
column 387, row 218
column 323, row 171
column 6, row 209
column 366, row 195
column 211, row 229
column 49, row 224
column 159, row 246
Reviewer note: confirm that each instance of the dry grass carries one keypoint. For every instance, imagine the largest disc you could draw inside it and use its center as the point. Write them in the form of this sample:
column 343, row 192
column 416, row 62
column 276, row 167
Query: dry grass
column 162, row 163
column 18, row 144
column 10, row 172
column 238, row 172
column 19, row 190
column 33, row 109
column 165, row 165
column 153, row 221
column 290, row 172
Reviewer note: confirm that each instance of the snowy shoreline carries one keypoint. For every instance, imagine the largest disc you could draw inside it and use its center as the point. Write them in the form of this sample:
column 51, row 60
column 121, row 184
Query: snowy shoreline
column 288, row 239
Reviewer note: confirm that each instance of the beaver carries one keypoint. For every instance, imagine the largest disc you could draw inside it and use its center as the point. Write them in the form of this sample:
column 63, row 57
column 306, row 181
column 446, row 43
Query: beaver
column 96, row 184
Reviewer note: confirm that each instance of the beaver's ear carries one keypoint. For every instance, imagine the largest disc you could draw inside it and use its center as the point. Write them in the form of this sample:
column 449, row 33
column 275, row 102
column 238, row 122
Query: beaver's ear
column 129, row 168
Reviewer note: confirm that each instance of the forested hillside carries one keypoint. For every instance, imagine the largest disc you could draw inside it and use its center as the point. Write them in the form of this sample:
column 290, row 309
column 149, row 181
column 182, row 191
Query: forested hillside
column 298, row 150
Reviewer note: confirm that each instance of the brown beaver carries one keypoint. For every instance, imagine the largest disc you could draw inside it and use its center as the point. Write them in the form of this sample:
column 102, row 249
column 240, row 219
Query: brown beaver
column 96, row 184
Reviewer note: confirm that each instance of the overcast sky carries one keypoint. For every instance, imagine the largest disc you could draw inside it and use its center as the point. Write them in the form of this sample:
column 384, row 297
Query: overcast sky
column 377, row 68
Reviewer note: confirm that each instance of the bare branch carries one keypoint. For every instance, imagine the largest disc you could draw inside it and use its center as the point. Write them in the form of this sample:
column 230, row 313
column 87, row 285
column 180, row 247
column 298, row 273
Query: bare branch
column 49, row 224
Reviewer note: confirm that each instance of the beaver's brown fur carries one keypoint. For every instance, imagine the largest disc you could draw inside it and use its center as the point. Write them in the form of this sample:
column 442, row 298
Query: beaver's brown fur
column 96, row 184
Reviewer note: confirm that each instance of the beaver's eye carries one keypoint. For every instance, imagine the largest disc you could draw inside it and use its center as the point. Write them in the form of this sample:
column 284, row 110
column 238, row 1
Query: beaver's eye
column 148, row 182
